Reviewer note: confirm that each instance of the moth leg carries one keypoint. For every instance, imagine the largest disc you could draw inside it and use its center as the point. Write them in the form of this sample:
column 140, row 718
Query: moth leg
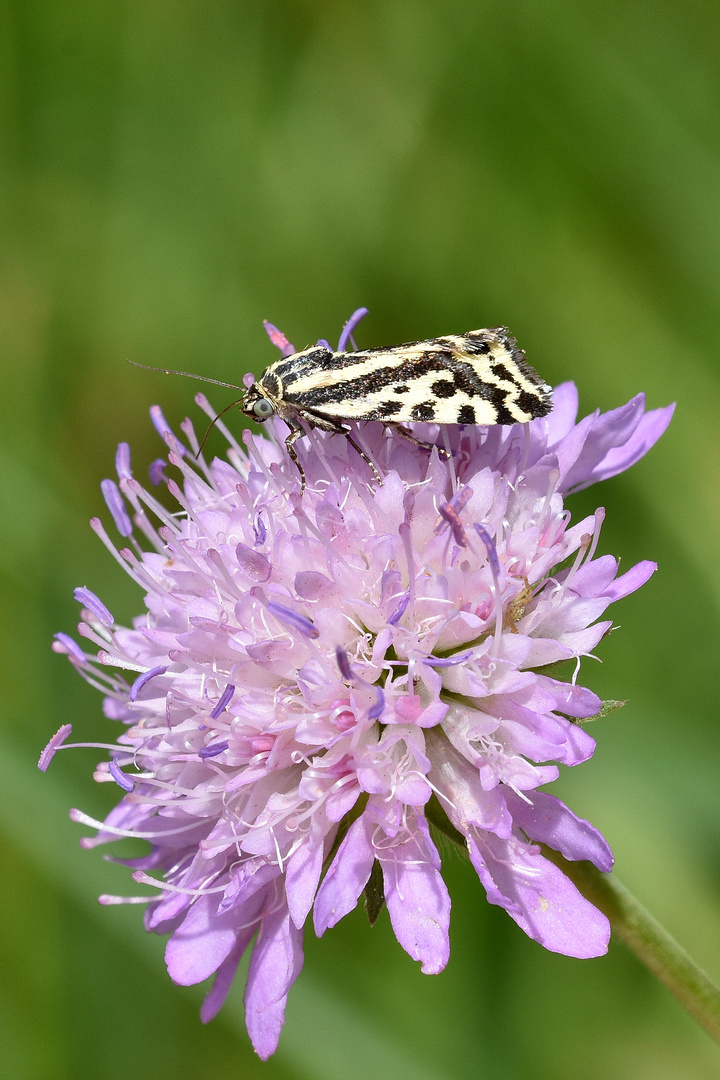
column 363, row 455
column 295, row 434
column 326, row 424
column 418, row 442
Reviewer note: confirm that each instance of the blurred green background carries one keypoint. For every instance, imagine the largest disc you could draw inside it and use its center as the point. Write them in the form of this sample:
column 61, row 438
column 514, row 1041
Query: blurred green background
column 173, row 172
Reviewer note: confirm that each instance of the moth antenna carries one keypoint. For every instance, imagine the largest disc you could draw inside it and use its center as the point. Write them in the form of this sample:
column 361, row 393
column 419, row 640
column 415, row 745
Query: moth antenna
column 188, row 375
column 215, row 419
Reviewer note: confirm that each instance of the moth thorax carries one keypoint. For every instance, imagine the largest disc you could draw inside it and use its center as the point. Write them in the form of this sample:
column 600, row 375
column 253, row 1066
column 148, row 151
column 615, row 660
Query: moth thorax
column 272, row 384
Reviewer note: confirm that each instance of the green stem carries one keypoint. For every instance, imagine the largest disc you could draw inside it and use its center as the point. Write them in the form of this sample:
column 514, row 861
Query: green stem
column 650, row 942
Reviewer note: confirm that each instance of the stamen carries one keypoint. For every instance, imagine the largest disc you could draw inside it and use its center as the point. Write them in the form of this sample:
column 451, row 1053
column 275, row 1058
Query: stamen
column 347, row 330
column 406, row 537
column 95, row 604
column 376, row 710
column 145, row 678
column 495, row 571
column 107, row 900
column 344, row 664
column 156, row 471
column 447, row 661
column 81, row 818
column 163, row 428
column 257, row 459
column 223, row 702
column 599, row 519
column 259, row 530
column 122, row 461
column 213, row 750
column 53, row 746
column 70, row 647
column 202, row 402
column 145, row 879
column 450, row 516
column 400, row 609
column 99, row 529
column 116, row 506
column 293, row 619
column 352, row 677
column 120, row 777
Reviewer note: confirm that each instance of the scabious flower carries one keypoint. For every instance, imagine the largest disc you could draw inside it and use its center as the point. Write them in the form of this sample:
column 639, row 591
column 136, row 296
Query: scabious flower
column 319, row 675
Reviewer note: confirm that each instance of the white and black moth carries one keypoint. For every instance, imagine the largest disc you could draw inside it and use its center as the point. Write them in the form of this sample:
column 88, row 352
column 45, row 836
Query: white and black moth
column 480, row 377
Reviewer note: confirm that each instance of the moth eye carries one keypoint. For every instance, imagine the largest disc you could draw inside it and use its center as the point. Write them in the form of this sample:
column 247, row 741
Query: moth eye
column 262, row 408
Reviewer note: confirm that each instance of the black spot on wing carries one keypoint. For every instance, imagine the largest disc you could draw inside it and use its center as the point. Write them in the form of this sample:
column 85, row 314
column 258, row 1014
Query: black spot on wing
column 501, row 371
column 401, row 390
column 385, row 410
column 424, row 412
column 533, row 404
column 443, row 388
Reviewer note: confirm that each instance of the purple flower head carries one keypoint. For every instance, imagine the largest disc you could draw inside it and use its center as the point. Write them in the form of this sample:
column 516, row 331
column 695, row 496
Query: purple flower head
column 317, row 678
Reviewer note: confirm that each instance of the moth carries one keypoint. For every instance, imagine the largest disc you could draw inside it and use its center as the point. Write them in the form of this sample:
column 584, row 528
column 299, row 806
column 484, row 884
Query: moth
column 480, row 377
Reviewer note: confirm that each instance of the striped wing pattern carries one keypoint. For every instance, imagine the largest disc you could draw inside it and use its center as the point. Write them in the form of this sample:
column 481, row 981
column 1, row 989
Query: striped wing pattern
column 481, row 377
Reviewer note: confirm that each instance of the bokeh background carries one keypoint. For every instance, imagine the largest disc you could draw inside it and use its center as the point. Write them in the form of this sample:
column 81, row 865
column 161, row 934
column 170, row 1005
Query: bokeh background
column 173, row 172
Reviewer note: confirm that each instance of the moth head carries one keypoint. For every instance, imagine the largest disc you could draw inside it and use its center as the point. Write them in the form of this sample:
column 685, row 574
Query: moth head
column 257, row 404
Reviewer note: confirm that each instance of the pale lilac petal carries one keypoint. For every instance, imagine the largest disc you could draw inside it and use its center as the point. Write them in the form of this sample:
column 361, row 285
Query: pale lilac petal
column 620, row 444
column 593, row 578
column 215, row 997
column 465, row 799
column 201, row 943
column 570, row 448
column 417, row 899
column 253, row 563
column 538, row 896
column 631, row 580
column 564, row 412
column 301, row 881
column 348, row 875
column 548, row 821
column 608, row 430
column 276, row 962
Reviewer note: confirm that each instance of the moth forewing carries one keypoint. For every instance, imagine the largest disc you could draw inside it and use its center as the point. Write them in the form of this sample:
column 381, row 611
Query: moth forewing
column 481, row 377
